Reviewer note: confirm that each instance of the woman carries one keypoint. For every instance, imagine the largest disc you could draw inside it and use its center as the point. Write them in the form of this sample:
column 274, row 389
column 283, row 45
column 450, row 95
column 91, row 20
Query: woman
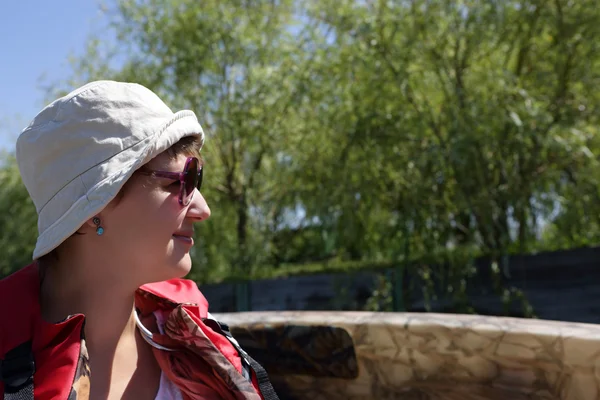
column 115, row 176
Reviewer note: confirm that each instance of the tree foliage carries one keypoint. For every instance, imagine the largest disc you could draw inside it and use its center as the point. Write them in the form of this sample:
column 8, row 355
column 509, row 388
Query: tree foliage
column 346, row 130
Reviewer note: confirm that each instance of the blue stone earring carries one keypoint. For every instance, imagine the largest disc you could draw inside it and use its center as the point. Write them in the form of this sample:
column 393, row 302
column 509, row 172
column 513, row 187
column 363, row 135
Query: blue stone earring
column 99, row 229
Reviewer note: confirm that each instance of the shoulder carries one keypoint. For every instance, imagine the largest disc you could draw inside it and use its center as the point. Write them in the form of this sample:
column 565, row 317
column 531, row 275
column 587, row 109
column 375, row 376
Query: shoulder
column 19, row 305
column 20, row 285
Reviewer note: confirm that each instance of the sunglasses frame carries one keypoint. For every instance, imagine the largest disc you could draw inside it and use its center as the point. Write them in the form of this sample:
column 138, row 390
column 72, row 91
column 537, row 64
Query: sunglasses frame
column 180, row 176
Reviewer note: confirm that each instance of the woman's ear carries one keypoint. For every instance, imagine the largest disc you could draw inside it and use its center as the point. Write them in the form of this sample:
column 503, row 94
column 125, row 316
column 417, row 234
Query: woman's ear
column 88, row 226
column 94, row 223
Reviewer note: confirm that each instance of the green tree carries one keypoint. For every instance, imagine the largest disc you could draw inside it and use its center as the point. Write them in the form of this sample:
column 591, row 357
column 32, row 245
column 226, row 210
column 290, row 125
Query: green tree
column 462, row 124
column 18, row 229
column 360, row 131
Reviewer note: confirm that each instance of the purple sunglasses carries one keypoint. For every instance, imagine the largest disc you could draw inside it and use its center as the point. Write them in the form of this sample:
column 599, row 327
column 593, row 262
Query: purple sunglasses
column 189, row 179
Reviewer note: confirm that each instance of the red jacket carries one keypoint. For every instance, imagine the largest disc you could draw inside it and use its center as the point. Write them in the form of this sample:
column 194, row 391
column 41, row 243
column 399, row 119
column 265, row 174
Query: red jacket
column 205, row 366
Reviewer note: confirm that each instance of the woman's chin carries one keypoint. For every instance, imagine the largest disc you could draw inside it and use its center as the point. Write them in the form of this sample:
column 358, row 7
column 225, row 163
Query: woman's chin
column 176, row 266
column 183, row 267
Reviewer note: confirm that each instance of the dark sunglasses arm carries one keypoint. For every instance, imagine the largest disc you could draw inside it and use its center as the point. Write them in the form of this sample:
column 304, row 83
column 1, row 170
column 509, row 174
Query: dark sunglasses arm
column 164, row 174
column 169, row 175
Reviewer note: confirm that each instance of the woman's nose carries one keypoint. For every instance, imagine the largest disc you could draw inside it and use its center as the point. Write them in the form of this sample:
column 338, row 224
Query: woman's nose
column 198, row 208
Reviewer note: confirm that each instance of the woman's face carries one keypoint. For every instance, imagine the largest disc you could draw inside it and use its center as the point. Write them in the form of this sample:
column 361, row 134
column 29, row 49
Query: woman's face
column 149, row 230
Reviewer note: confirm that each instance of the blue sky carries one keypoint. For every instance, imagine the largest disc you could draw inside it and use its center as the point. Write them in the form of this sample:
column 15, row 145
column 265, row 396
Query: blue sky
column 36, row 38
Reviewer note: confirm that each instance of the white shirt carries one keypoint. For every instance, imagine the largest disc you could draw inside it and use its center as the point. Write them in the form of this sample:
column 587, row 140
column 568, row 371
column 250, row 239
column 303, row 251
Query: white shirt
column 167, row 389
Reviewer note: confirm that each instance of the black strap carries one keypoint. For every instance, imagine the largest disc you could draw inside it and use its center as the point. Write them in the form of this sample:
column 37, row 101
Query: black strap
column 264, row 384
column 16, row 372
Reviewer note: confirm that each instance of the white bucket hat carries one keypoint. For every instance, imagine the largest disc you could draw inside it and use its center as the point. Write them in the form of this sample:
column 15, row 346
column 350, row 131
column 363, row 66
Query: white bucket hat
column 78, row 152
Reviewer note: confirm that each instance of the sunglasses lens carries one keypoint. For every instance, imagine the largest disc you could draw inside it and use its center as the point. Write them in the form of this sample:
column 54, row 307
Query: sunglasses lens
column 191, row 180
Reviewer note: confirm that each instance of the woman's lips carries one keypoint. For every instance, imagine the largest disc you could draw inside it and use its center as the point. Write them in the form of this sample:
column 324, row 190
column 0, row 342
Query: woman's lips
column 186, row 239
